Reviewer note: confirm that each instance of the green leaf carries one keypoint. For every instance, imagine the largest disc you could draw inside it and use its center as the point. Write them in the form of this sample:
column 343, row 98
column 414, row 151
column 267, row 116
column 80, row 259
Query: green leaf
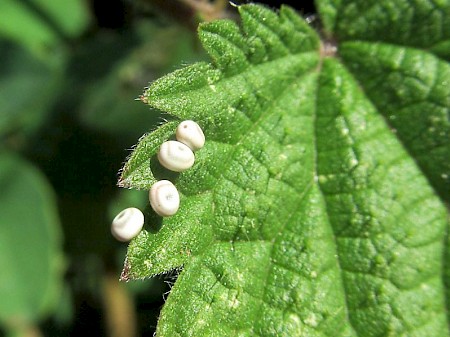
column 30, row 245
column 30, row 32
column 417, row 23
column 411, row 89
column 40, row 24
column 304, row 214
column 29, row 87
column 409, row 86
column 69, row 16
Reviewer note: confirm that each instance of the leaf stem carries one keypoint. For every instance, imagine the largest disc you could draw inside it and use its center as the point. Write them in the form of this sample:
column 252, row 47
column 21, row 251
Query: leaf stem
column 119, row 308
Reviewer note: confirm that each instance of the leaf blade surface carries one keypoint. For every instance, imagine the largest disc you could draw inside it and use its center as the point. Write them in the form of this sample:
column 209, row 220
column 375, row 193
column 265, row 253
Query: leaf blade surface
column 297, row 218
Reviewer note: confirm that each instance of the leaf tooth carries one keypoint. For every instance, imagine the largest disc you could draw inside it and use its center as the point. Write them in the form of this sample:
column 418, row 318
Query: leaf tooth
column 180, row 83
column 299, row 36
column 125, row 274
column 225, row 44
column 266, row 25
column 137, row 171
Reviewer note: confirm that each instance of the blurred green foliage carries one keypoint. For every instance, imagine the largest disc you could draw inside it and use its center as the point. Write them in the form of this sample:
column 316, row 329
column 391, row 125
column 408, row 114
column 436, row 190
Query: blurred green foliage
column 69, row 114
column 30, row 244
column 40, row 25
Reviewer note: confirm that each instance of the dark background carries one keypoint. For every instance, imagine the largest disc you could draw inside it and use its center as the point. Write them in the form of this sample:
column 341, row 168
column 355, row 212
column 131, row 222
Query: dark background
column 117, row 13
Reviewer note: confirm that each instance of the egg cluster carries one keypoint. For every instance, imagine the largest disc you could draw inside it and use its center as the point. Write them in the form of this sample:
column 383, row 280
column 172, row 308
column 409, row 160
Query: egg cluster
column 175, row 155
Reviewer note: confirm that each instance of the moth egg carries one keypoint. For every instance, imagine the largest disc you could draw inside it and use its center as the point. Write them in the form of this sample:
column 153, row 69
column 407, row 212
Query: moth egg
column 176, row 156
column 127, row 224
column 191, row 134
column 164, row 198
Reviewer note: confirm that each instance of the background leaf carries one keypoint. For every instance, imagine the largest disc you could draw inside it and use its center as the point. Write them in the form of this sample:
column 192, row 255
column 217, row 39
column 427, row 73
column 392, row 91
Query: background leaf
column 43, row 23
column 70, row 16
column 28, row 87
column 32, row 32
column 30, row 245
column 304, row 214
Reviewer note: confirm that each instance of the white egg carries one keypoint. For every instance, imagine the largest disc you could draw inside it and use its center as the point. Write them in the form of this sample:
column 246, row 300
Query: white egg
column 176, row 156
column 191, row 134
column 164, row 198
column 127, row 224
